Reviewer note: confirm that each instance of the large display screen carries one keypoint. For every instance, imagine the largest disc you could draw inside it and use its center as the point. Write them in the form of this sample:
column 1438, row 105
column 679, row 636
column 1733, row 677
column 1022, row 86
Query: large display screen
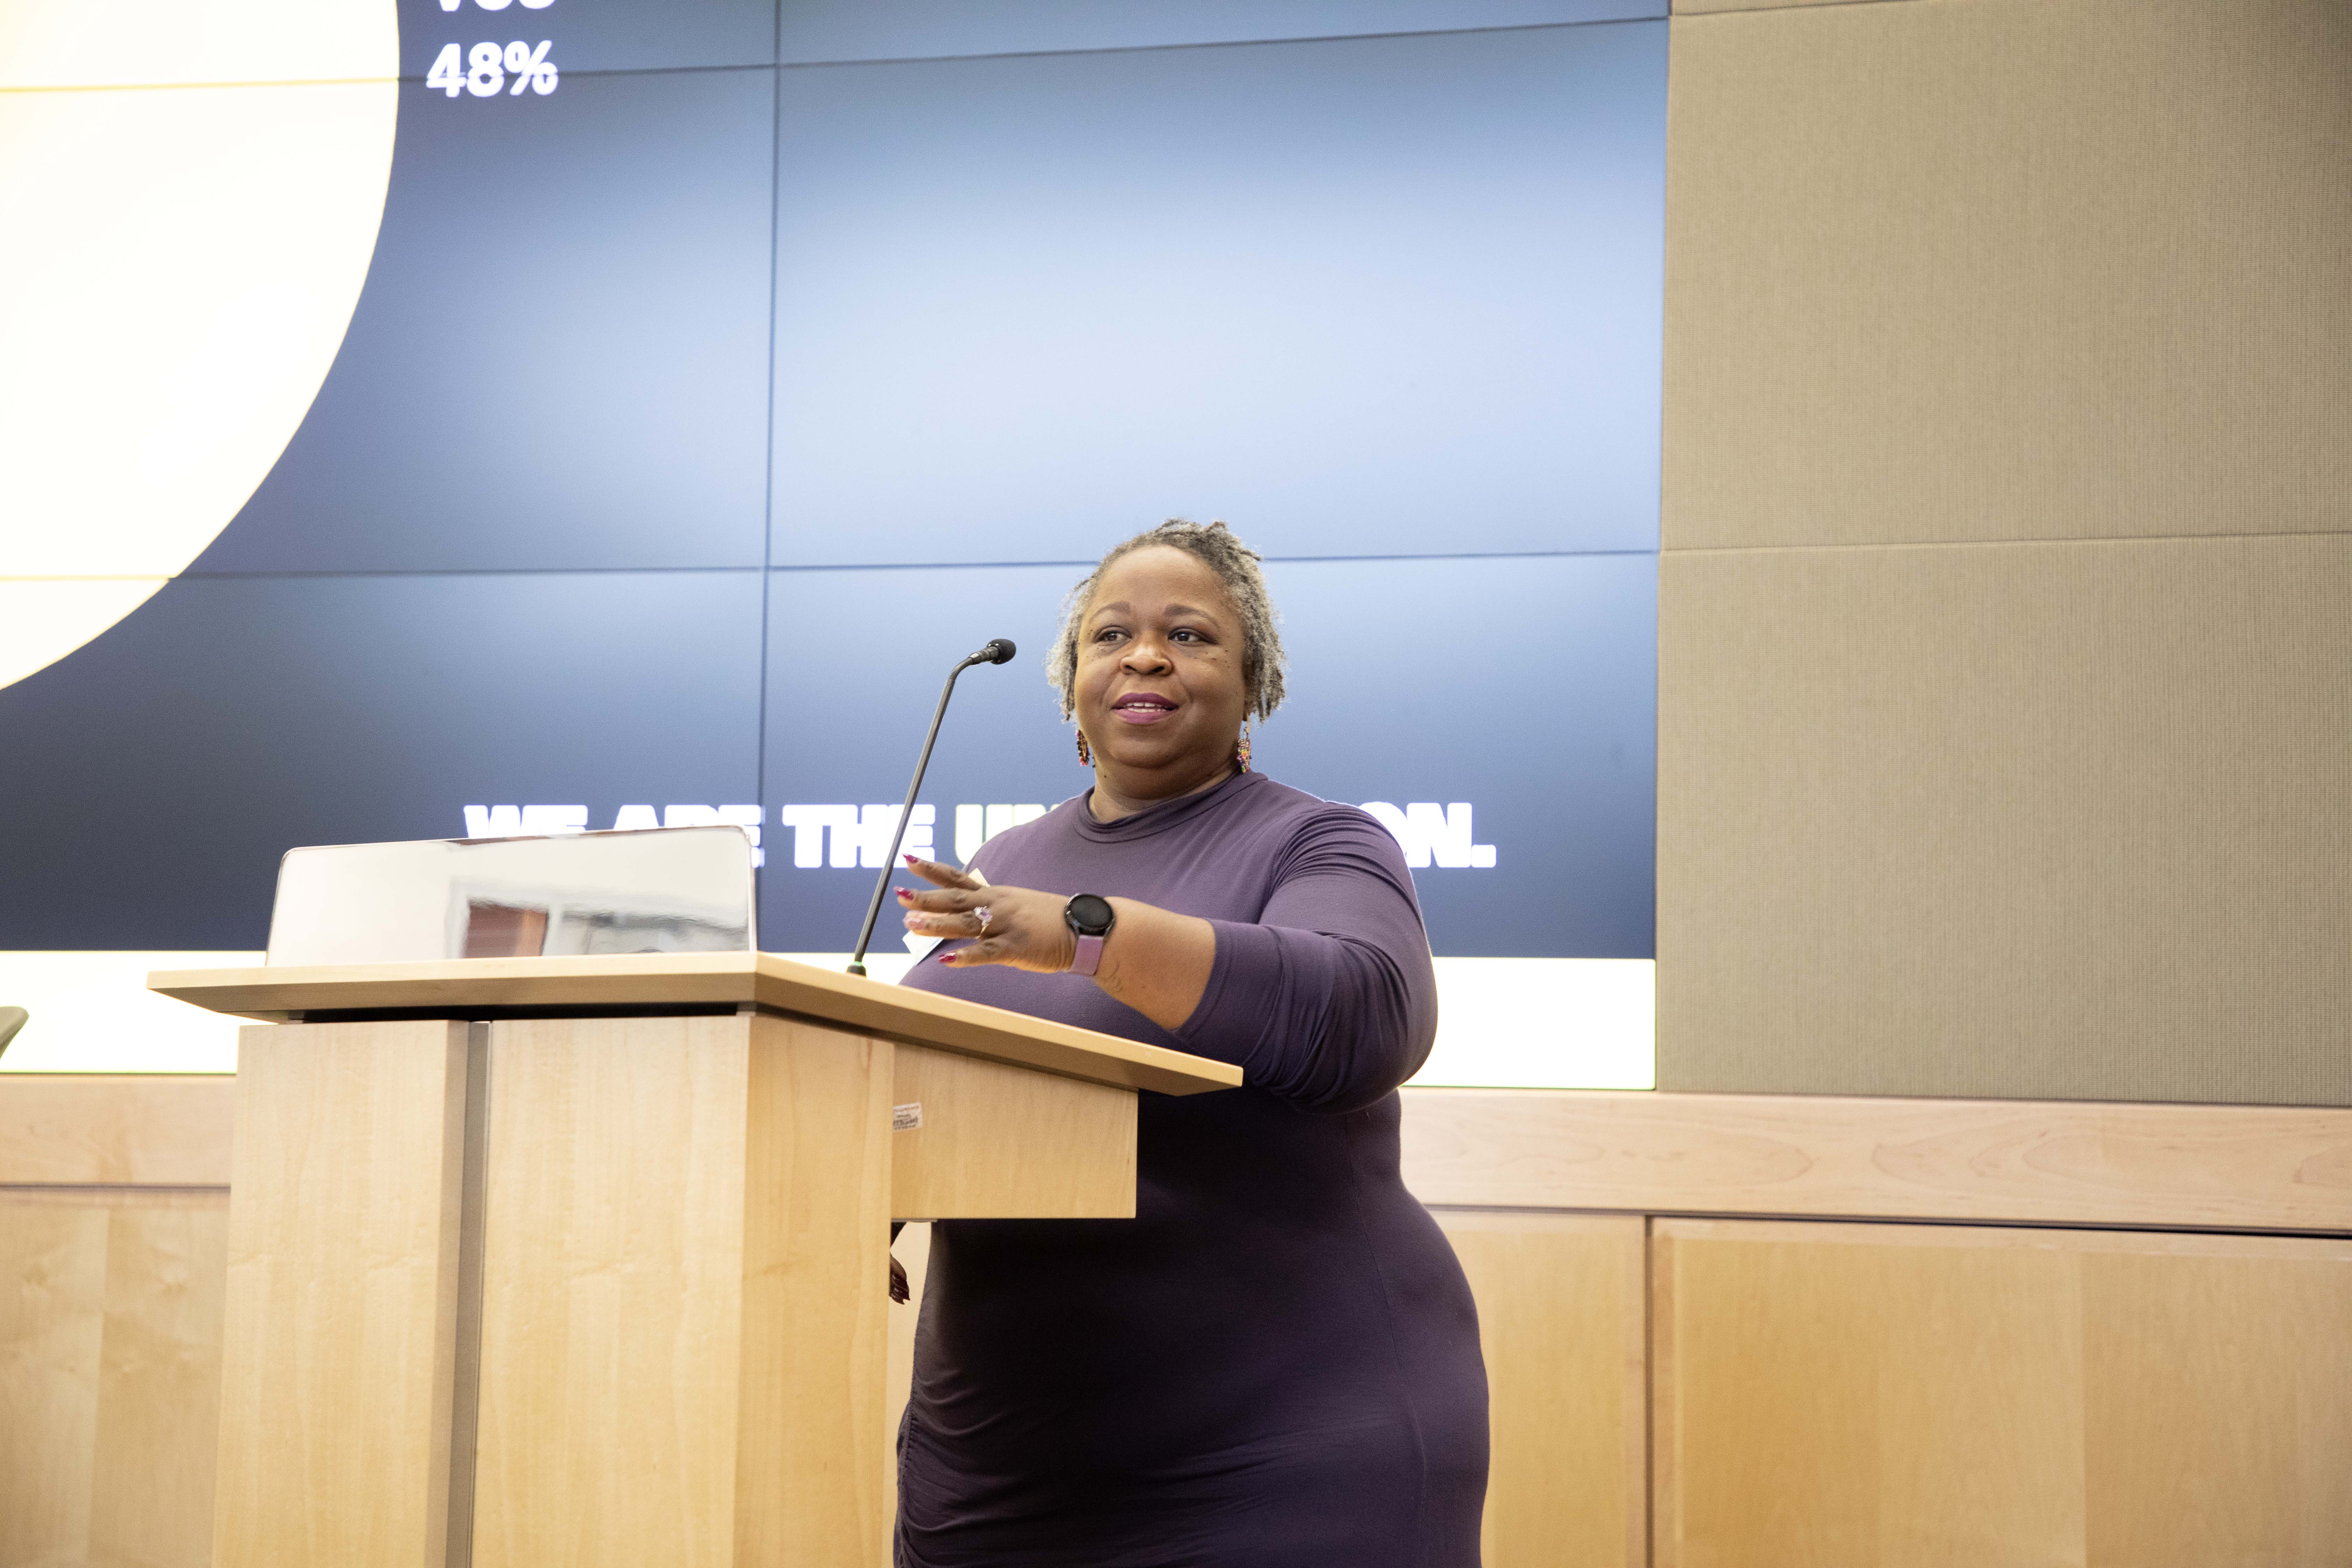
column 529, row 416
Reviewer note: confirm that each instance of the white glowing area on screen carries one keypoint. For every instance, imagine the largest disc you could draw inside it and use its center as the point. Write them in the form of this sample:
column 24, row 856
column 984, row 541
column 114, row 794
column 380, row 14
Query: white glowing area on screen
column 187, row 261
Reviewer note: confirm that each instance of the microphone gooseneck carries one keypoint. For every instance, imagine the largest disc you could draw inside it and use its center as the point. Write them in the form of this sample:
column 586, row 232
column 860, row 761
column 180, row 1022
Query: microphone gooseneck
column 998, row 652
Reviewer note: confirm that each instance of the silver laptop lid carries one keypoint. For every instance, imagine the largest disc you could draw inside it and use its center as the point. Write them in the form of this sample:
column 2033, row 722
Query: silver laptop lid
column 665, row 890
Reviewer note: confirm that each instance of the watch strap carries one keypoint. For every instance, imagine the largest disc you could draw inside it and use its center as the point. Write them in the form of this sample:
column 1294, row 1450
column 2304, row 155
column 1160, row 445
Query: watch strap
column 1080, row 915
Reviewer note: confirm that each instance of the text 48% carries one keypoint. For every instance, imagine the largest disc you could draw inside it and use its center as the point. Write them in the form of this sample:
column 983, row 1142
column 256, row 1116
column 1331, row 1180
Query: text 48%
column 490, row 67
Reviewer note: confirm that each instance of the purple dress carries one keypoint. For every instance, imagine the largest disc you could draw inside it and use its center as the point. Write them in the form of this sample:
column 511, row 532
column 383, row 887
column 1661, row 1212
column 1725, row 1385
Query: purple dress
column 1276, row 1361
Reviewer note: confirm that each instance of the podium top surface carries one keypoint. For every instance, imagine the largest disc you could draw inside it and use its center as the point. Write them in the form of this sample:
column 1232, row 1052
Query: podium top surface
column 649, row 983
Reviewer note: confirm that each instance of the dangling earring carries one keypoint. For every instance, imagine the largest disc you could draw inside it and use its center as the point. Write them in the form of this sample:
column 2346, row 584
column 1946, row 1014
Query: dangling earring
column 1240, row 752
column 1086, row 757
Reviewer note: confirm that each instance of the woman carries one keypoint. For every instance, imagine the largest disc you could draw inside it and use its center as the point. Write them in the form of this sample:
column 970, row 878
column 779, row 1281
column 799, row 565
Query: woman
column 1275, row 1362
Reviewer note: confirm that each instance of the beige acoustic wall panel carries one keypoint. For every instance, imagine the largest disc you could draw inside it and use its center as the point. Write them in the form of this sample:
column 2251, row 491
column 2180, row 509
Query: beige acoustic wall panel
column 1702, row 7
column 1991, row 270
column 2041, row 821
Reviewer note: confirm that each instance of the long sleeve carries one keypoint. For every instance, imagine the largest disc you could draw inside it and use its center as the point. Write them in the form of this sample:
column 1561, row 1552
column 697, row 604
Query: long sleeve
column 1328, row 1001
column 1276, row 1358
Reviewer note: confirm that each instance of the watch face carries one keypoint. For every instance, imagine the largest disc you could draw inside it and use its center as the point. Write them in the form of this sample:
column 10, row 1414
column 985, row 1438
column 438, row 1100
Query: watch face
column 1088, row 915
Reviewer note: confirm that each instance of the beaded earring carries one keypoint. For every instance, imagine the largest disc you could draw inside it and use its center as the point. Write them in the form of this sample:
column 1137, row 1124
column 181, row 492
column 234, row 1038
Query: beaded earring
column 1086, row 757
column 1242, row 752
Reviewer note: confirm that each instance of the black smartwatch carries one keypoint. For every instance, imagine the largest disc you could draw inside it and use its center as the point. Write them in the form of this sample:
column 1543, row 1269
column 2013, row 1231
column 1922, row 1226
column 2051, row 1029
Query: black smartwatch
column 1089, row 918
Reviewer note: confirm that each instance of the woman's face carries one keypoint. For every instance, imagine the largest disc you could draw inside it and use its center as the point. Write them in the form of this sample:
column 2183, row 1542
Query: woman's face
column 1160, row 693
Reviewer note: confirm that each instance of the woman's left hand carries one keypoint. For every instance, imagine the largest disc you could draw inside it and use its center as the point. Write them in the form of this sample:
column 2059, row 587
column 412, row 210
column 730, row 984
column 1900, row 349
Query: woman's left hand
column 1019, row 926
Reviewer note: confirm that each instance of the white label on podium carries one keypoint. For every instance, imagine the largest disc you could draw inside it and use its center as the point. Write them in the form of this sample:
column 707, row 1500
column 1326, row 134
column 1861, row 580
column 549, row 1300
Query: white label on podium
column 906, row 1117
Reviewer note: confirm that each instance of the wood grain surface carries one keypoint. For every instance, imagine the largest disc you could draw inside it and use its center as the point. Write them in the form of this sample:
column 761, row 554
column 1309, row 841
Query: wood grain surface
column 111, row 1304
column 159, row 1375
column 999, row 1141
column 1563, row 1323
column 340, row 1336
column 613, row 1281
column 1949, row 1396
column 683, row 1344
column 109, row 1333
column 116, row 1129
column 52, row 1329
column 2172, row 1166
column 649, row 980
column 816, row 1301
column 2219, row 1167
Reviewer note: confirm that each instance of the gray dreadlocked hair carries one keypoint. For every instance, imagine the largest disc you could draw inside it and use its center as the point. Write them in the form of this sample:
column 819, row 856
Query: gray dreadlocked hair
column 1236, row 566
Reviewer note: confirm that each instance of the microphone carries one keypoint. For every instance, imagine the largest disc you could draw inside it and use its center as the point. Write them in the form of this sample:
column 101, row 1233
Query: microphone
column 997, row 651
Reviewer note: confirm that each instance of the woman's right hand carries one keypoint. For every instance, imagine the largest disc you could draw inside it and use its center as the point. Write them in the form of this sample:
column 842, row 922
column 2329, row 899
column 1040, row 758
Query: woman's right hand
column 1156, row 961
column 1017, row 926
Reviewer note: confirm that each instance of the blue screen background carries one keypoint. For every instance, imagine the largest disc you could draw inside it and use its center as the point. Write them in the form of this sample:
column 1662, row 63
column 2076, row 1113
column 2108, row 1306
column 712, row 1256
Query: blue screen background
column 695, row 416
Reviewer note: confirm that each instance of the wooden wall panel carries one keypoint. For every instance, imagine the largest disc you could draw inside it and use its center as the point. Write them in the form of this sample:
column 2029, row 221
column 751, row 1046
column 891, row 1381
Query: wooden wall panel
column 2247, row 1351
column 1562, row 1320
column 52, row 1329
column 1901, row 1361
column 2155, row 1167
column 110, row 1307
column 119, row 1129
column 158, row 1436
column 1849, row 1401
column 1998, row 269
column 2063, row 821
column 1862, row 1394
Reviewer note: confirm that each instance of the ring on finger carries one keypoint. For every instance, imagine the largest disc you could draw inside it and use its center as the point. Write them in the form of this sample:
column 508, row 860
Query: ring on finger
column 981, row 912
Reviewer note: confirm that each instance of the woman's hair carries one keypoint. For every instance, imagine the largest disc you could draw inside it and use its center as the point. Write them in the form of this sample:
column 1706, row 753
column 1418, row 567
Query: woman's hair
column 1236, row 566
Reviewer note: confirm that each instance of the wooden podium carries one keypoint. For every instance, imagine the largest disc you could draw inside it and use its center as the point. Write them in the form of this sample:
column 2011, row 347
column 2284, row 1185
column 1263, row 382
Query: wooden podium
column 582, row 1260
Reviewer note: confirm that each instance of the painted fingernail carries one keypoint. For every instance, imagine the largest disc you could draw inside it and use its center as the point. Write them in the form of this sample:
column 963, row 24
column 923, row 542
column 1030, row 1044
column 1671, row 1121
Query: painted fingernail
column 947, row 958
column 913, row 861
column 907, row 893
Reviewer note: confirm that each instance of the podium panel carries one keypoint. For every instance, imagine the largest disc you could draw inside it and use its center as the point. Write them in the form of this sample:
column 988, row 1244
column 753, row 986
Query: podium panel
column 686, row 1231
column 995, row 1141
column 340, row 1334
column 591, row 1270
